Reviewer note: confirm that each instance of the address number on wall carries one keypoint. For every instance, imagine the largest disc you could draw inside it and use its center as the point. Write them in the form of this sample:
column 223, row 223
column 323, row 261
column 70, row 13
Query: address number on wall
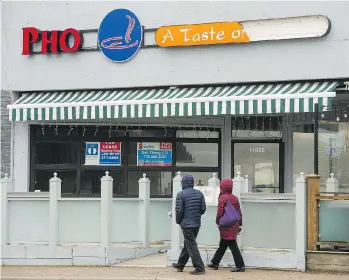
column 257, row 150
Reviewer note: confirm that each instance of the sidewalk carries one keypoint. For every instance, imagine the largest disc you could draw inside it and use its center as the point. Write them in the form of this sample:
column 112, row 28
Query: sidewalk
column 146, row 273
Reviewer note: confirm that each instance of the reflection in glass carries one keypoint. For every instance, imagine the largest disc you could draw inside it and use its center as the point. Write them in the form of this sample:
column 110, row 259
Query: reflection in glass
column 52, row 152
column 160, row 182
column 91, row 181
column 303, row 153
column 260, row 161
column 257, row 127
column 207, row 134
column 200, row 178
column 197, row 154
column 152, row 133
column 334, row 153
column 42, row 180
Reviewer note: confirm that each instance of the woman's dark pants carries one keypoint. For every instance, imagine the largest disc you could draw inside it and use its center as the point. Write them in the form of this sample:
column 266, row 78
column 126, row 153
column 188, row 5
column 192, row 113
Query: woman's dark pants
column 233, row 246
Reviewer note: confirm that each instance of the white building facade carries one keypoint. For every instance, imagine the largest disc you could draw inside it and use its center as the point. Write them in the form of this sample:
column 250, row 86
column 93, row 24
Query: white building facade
column 244, row 106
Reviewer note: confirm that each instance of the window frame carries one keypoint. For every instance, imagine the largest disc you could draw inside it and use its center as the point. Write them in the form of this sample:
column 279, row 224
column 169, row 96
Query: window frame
column 80, row 139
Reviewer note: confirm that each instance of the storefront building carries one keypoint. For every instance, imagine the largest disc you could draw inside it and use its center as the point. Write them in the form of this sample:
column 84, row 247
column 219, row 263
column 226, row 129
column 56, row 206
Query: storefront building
column 102, row 88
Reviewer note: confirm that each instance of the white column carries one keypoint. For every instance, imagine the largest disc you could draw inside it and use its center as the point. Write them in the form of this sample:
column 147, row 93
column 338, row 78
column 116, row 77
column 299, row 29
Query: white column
column 5, row 183
column 288, row 137
column 214, row 183
column 301, row 218
column 144, row 210
column 176, row 233
column 106, row 208
column 332, row 184
column 21, row 157
column 54, row 196
column 238, row 185
column 247, row 185
column 226, row 148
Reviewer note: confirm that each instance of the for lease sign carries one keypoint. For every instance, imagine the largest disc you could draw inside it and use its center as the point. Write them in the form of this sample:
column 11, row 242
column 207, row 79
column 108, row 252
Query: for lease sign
column 154, row 154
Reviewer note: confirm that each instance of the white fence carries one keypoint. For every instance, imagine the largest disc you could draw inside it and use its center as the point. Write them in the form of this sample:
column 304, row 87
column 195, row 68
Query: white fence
column 81, row 231
column 46, row 228
column 274, row 229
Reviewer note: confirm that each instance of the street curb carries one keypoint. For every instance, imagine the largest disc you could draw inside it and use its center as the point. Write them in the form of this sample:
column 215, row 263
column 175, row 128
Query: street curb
column 78, row 278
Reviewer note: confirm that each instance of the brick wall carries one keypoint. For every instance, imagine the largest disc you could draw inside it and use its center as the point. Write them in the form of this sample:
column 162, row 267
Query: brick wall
column 5, row 134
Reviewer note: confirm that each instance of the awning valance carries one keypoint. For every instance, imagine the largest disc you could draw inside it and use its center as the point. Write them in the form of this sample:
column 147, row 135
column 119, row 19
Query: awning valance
column 173, row 102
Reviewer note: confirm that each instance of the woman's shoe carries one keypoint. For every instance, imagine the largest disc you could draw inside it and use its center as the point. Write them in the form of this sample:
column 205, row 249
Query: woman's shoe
column 177, row 267
column 213, row 266
column 238, row 269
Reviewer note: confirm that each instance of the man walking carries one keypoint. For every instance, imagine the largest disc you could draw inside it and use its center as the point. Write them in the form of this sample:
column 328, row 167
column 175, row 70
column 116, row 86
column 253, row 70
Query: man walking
column 190, row 205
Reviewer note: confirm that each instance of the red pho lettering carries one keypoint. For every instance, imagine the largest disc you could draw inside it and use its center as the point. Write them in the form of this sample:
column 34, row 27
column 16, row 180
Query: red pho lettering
column 64, row 40
column 49, row 42
column 30, row 36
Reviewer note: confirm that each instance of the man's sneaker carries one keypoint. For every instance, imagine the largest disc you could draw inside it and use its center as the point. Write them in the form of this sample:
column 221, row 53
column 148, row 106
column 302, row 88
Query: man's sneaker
column 236, row 269
column 197, row 272
column 177, row 267
column 213, row 266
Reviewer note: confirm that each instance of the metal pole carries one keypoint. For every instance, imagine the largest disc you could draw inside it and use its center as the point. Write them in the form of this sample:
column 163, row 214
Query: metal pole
column 316, row 139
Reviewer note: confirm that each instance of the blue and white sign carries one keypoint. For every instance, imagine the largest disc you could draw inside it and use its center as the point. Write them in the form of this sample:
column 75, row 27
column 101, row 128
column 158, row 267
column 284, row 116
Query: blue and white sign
column 103, row 153
column 120, row 35
column 92, row 153
column 154, row 154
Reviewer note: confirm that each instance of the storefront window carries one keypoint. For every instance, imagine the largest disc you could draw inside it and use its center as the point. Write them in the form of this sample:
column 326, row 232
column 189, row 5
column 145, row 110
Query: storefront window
column 261, row 162
column 50, row 152
column 160, row 182
column 203, row 134
column 81, row 155
column 200, row 178
column 68, row 177
column 257, row 127
column 197, row 154
column 334, row 152
column 303, row 150
column 90, row 182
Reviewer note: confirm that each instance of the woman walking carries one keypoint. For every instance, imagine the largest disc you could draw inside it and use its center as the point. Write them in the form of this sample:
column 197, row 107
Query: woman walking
column 228, row 233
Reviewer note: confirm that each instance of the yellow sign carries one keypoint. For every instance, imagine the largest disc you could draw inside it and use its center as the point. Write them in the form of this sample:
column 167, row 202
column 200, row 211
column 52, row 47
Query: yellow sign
column 201, row 34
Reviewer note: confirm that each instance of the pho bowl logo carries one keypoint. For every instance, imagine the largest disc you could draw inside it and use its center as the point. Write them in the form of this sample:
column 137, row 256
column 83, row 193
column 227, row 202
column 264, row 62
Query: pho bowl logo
column 120, row 35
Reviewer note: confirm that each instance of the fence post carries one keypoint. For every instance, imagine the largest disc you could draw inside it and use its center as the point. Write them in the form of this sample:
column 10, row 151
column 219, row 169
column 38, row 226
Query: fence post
column 5, row 182
column 313, row 190
column 246, row 188
column 144, row 219
column 106, row 210
column 331, row 185
column 238, row 185
column 54, row 196
column 301, row 233
column 176, row 233
column 214, row 182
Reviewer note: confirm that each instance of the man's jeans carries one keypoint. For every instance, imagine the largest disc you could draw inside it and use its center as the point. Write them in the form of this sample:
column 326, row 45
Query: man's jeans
column 191, row 250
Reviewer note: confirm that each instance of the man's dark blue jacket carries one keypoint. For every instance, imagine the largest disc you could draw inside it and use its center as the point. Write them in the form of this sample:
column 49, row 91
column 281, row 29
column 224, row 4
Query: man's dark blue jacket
column 190, row 204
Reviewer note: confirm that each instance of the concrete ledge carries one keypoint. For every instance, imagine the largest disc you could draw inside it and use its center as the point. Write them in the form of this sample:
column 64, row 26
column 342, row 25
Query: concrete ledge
column 253, row 259
column 89, row 251
column 82, row 261
column 77, row 255
column 13, row 252
column 45, row 252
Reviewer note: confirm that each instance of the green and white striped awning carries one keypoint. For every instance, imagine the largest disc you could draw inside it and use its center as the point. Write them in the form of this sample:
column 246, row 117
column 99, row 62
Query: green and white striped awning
column 169, row 102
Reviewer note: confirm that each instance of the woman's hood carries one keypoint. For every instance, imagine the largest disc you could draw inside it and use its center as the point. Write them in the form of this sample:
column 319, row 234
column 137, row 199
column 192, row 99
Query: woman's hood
column 226, row 186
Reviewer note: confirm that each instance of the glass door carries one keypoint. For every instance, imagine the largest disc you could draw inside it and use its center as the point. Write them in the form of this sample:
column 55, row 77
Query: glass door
column 262, row 162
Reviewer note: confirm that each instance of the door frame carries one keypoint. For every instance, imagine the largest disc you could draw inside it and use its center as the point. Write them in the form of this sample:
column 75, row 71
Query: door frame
column 263, row 141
